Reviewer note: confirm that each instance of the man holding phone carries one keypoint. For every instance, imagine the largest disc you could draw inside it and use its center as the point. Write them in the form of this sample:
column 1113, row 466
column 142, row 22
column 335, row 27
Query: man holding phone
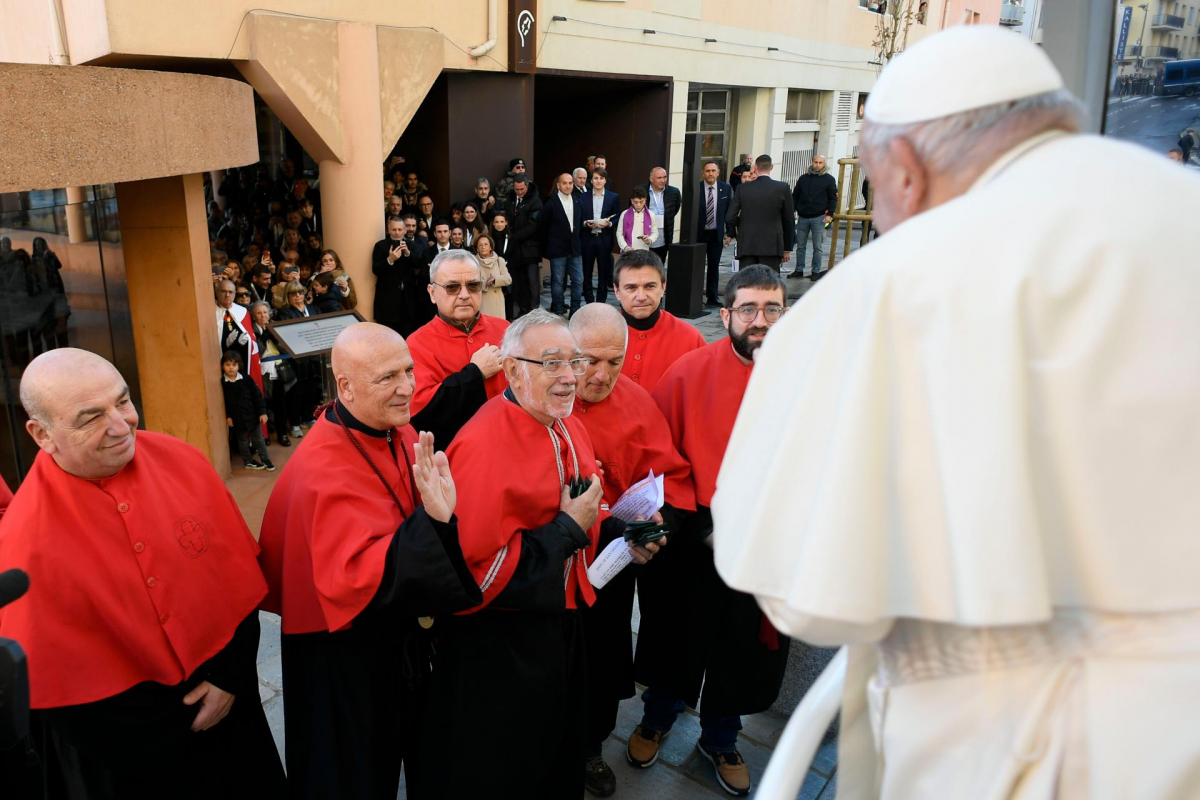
column 397, row 280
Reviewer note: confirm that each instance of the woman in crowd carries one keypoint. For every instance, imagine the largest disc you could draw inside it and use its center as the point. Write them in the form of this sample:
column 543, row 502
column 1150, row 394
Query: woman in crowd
column 306, row 394
column 331, row 264
column 495, row 276
column 504, row 247
column 277, row 373
column 456, row 214
column 473, row 226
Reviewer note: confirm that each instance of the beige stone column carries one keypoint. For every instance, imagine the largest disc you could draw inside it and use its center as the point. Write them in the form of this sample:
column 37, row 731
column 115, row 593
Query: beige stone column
column 76, row 218
column 352, row 192
column 165, row 238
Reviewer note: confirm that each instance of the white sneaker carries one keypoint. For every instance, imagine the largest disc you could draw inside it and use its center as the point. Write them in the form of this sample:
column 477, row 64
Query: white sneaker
column 296, row 432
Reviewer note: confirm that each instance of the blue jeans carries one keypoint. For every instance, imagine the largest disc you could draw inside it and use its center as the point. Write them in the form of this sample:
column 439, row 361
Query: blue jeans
column 661, row 708
column 558, row 273
column 815, row 225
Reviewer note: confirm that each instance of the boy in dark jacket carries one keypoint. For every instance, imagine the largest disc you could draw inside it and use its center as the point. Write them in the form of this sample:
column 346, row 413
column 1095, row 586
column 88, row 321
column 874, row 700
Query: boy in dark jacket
column 327, row 298
column 245, row 412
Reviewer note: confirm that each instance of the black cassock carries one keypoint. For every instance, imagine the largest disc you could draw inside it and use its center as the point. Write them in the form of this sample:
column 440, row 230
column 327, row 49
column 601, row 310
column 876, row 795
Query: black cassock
column 139, row 743
column 353, row 698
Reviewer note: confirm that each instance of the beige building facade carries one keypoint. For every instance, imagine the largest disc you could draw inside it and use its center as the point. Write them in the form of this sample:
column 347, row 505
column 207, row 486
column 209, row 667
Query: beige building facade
column 459, row 87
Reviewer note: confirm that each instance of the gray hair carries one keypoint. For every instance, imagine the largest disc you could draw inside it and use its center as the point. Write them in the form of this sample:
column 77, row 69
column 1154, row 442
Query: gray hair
column 946, row 143
column 510, row 345
column 453, row 255
column 258, row 303
column 578, row 169
column 482, row 182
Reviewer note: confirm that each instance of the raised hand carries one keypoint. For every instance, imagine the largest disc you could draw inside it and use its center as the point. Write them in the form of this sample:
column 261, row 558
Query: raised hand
column 431, row 471
column 585, row 508
column 487, row 358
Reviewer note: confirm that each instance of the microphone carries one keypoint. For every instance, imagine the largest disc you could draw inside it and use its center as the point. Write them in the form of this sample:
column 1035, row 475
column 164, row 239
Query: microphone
column 13, row 584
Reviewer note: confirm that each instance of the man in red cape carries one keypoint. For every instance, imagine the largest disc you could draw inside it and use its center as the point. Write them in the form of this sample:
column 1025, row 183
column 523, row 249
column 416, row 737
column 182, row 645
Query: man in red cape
column 696, row 630
column 236, row 332
column 360, row 549
column 456, row 352
column 140, row 624
column 657, row 338
column 631, row 438
column 506, row 712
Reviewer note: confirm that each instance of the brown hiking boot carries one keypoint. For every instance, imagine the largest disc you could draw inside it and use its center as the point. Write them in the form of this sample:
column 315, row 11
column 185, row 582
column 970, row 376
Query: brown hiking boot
column 731, row 770
column 642, row 750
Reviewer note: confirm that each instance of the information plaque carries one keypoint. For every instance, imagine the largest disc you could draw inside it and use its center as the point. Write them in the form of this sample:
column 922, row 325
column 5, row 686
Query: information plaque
column 312, row 336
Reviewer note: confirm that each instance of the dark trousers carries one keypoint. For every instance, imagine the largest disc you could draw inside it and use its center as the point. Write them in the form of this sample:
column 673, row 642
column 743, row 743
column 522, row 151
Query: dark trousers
column 251, row 442
column 277, row 404
column 770, row 261
column 597, row 250
column 713, row 244
column 526, row 288
column 661, row 252
column 661, row 708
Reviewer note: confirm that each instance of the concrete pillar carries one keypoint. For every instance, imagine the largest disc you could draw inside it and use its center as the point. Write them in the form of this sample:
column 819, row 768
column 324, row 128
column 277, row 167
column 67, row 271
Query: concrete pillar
column 352, row 192
column 675, row 176
column 775, row 121
column 165, row 238
column 76, row 215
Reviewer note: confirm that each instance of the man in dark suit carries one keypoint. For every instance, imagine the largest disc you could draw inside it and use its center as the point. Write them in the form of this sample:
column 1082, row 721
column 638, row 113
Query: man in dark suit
column 559, row 226
column 579, row 181
column 524, row 208
column 664, row 201
column 712, row 206
column 600, row 209
column 762, row 219
column 399, row 280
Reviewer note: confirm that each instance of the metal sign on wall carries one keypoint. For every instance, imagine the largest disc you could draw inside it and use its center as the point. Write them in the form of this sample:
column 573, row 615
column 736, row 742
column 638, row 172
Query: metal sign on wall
column 1123, row 37
column 522, row 36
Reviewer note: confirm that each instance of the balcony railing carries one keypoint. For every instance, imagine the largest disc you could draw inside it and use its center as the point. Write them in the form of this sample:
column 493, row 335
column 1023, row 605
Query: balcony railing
column 1166, row 22
column 1011, row 14
column 1159, row 53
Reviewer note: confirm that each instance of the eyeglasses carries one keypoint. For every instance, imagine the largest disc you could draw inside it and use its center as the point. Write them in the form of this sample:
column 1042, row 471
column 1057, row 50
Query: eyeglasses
column 474, row 287
column 555, row 367
column 750, row 313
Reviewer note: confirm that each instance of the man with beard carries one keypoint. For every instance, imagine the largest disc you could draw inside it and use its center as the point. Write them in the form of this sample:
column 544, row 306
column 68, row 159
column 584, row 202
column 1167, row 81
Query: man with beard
column 657, row 338
column 630, row 438
column 507, row 705
column 696, row 630
column 399, row 285
column 815, row 198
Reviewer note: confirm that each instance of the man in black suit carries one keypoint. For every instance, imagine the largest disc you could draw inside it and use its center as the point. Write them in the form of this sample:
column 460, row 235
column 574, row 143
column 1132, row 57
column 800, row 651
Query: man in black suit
column 425, row 215
column 664, row 201
column 399, row 283
column 524, row 208
column 600, row 209
column 714, row 198
column 762, row 219
column 559, row 226
column 579, row 181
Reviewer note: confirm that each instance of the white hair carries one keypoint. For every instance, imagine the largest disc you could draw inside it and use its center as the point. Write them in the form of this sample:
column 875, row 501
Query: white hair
column 948, row 143
column 453, row 255
column 578, row 169
column 510, row 345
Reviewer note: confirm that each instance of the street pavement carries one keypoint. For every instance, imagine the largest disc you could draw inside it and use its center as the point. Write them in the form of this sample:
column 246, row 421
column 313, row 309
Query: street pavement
column 1153, row 122
column 682, row 773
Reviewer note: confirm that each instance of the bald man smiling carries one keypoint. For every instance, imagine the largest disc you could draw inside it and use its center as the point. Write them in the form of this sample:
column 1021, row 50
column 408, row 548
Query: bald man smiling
column 360, row 550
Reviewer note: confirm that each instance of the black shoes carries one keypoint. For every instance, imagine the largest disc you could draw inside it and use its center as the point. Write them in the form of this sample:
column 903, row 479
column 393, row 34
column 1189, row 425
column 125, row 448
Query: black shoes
column 283, row 440
column 599, row 779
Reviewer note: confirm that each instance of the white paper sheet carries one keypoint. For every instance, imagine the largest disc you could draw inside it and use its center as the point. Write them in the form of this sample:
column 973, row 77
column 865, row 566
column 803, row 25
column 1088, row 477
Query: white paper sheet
column 640, row 500
column 611, row 560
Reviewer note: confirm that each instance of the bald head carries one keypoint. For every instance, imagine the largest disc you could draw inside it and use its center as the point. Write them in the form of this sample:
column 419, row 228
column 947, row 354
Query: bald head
column 564, row 183
column 598, row 319
column 374, row 374
column 80, row 412
column 602, row 335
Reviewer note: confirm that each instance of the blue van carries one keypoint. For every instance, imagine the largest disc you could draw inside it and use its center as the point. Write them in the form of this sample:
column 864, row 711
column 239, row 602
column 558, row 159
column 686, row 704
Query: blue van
column 1181, row 77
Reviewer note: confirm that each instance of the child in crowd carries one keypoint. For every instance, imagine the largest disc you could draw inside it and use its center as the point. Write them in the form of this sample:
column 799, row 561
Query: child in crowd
column 245, row 412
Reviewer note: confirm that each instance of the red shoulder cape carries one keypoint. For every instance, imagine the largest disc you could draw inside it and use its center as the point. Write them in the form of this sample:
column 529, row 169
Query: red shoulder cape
column 700, row 396
column 139, row 577
column 328, row 524
column 650, row 353
column 507, row 477
column 631, row 438
column 440, row 349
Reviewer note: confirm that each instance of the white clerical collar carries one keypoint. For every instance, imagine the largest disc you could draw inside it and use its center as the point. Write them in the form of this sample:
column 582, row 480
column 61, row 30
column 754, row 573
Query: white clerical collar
column 1006, row 160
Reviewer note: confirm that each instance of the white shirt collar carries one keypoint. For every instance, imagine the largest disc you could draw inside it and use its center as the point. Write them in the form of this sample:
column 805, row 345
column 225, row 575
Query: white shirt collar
column 235, row 380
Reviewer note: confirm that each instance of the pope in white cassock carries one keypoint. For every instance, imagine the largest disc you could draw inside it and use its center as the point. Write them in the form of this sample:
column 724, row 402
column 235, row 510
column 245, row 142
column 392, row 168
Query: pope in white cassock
column 973, row 452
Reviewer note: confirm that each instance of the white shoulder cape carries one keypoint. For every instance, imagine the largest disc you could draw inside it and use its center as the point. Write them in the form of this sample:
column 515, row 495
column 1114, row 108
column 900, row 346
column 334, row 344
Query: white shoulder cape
column 992, row 410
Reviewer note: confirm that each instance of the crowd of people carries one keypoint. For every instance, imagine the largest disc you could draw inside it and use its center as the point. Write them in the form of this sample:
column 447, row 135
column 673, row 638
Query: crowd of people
column 35, row 307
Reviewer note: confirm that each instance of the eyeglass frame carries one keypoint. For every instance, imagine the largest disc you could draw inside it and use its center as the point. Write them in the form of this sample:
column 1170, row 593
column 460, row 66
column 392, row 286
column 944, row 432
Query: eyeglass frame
column 557, row 371
column 740, row 312
column 445, row 287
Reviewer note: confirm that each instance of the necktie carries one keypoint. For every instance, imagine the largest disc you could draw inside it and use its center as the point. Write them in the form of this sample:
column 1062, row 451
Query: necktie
column 711, row 219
